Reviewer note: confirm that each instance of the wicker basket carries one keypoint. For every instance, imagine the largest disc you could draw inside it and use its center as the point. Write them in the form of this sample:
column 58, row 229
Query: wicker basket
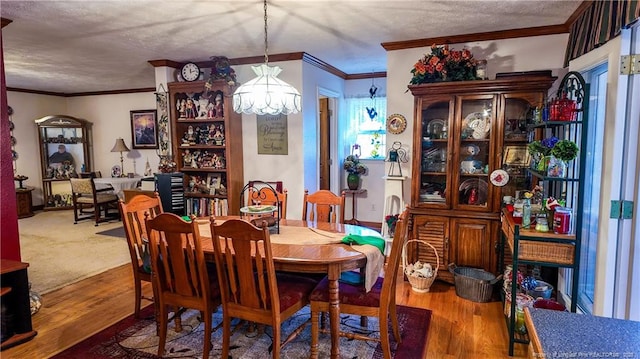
column 473, row 283
column 420, row 284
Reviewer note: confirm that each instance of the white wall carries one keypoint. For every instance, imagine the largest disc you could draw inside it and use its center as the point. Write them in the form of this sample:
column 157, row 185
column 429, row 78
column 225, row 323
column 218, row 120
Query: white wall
column 111, row 120
column 27, row 108
column 510, row 55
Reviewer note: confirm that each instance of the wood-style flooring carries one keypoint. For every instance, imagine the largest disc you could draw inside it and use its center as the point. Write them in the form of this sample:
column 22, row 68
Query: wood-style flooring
column 459, row 328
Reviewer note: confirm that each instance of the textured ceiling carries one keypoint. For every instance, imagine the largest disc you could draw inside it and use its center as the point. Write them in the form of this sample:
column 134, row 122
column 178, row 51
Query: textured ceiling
column 85, row 46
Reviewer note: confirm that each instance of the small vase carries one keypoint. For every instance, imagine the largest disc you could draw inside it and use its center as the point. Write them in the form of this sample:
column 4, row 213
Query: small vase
column 353, row 181
column 391, row 230
column 543, row 164
column 556, row 167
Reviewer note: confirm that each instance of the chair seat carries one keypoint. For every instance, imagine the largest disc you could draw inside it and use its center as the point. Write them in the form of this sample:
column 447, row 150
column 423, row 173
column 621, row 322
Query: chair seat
column 293, row 288
column 349, row 293
column 100, row 198
column 271, row 220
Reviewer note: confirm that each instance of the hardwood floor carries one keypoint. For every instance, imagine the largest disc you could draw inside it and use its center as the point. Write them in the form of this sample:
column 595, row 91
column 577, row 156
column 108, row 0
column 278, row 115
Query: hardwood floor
column 459, row 328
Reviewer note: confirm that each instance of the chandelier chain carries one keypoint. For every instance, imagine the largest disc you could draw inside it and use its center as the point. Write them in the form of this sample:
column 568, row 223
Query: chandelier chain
column 266, row 44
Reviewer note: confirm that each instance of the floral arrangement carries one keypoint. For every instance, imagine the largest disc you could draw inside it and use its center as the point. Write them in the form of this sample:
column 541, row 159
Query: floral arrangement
column 443, row 64
column 564, row 150
column 391, row 220
column 353, row 165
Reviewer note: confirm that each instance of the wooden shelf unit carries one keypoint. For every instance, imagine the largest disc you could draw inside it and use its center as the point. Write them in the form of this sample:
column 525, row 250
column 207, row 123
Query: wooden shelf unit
column 222, row 140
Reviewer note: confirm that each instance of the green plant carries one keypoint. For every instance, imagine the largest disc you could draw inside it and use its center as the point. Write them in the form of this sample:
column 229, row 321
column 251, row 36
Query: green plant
column 353, row 165
column 565, row 150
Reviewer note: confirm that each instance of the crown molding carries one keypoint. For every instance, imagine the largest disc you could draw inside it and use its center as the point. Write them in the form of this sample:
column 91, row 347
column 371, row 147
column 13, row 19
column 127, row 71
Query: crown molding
column 479, row 36
column 5, row 22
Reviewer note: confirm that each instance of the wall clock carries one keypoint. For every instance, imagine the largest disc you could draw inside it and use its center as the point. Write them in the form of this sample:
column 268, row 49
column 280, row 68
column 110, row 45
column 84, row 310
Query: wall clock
column 396, row 124
column 190, row 71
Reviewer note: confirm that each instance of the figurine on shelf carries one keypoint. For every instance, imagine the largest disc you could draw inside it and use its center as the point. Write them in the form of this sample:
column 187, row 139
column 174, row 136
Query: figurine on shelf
column 218, row 137
column 187, row 158
column 181, row 106
column 220, row 163
column 190, row 111
column 218, row 107
column 191, row 137
column 210, row 111
column 203, row 103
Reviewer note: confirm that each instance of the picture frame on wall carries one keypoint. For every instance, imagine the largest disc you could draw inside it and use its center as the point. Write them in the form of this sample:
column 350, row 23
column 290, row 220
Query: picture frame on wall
column 144, row 129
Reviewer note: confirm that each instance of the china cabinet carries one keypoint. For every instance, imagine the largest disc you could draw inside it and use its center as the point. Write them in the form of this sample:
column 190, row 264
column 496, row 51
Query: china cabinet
column 563, row 118
column 65, row 151
column 462, row 131
column 207, row 146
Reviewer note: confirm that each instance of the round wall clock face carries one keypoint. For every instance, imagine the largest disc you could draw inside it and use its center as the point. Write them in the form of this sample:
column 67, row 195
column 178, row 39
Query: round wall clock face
column 190, row 72
column 396, row 124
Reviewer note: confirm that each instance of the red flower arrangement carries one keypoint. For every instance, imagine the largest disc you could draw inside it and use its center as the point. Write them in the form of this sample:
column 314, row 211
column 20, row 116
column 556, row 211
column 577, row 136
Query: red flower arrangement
column 443, row 64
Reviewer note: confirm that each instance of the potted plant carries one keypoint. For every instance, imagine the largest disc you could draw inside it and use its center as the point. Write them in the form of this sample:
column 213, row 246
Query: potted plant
column 355, row 169
column 444, row 64
column 552, row 155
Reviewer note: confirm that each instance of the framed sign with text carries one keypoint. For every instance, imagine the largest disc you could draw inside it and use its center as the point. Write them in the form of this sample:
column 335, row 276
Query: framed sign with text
column 272, row 135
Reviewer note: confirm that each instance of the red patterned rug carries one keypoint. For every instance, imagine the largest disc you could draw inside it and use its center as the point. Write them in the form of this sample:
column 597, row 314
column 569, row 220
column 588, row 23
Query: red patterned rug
column 136, row 338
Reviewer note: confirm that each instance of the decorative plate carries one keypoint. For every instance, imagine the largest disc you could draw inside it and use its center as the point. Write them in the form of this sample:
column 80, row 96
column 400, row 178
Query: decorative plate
column 473, row 120
column 116, row 171
column 499, row 178
column 396, row 123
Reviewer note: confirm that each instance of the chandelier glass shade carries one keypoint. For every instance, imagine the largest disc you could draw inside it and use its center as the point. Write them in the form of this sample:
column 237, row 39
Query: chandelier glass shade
column 266, row 94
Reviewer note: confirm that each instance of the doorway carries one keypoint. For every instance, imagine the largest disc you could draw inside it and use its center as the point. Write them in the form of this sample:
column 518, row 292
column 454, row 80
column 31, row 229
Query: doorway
column 328, row 175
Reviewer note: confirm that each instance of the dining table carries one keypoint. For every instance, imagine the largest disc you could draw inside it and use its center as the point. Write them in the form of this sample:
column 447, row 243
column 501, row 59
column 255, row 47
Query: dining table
column 310, row 247
column 119, row 184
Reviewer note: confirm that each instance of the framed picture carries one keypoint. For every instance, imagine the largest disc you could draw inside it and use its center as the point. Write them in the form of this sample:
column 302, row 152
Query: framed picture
column 516, row 156
column 214, row 181
column 144, row 129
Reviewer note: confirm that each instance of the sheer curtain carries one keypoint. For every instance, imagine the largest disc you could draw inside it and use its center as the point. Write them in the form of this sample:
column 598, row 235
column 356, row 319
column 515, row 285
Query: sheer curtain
column 367, row 117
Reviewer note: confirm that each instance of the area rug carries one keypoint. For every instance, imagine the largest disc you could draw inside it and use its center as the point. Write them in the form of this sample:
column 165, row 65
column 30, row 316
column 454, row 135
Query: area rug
column 60, row 253
column 136, row 338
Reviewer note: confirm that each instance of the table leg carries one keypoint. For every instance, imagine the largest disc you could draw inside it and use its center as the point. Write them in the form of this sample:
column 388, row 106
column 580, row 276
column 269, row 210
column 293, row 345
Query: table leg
column 334, row 311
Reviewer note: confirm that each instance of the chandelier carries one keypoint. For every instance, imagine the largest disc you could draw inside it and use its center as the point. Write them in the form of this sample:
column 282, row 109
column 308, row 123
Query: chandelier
column 266, row 94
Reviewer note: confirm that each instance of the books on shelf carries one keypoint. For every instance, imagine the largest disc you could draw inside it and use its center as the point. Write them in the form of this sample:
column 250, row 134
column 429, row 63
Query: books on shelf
column 205, row 207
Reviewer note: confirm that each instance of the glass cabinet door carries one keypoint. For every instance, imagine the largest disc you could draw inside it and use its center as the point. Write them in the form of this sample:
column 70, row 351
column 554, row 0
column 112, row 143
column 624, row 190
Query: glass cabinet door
column 519, row 112
column 434, row 155
column 475, row 123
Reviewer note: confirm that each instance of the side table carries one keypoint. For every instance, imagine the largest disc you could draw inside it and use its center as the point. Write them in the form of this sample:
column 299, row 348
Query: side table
column 353, row 193
column 23, row 202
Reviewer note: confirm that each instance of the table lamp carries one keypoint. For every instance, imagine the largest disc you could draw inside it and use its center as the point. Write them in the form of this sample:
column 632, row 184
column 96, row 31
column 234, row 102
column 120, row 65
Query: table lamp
column 120, row 147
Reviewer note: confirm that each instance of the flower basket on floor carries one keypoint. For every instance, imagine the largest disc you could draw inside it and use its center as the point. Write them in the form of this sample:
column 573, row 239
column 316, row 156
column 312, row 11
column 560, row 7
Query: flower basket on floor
column 420, row 275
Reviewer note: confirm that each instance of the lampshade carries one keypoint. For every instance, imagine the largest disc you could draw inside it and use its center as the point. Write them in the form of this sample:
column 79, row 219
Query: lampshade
column 266, row 94
column 120, row 146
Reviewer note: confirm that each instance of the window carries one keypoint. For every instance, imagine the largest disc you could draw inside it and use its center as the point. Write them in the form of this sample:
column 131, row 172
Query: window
column 597, row 78
column 367, row 125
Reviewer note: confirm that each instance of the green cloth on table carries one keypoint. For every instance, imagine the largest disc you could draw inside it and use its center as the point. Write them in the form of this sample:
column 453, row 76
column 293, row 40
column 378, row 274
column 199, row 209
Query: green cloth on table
column 358, row 239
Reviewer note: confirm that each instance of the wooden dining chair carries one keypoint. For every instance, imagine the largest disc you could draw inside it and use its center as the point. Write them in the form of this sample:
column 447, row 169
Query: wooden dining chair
column 323, row 206
column 180, row 273
column 379, row 302
column 133, row 220
column 251, row 289
column 89, row 202
column 263, row 193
